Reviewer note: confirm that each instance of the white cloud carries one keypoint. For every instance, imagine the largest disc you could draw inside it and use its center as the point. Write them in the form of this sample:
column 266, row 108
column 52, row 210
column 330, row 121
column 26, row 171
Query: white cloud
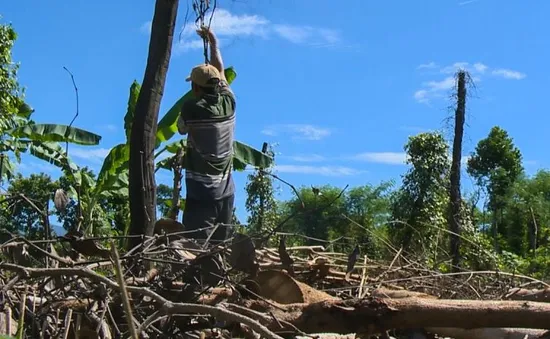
column 481, row 68
column 307, row 34
column 298, row 131
column 467, row 2
column 442, row 85
column 429, row 65
column 185, row 46
column 421, row 95
column 435, row 88
column 318, row 170
column 108, row 127
column 454, row 67
column 96, row 155
column 389, row 158
column 226, row 24
column 31, row 167
column 306, row 158
column 508, row 74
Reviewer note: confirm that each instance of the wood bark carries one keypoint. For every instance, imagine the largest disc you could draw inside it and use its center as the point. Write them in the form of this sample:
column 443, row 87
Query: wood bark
column 455, row 196
column 374, row 315
column 529, row 295
column 142, row 185
column 487, row 333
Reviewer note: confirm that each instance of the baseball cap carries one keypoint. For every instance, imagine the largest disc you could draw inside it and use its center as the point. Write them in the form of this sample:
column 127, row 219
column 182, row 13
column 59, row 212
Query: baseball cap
column 202, row 74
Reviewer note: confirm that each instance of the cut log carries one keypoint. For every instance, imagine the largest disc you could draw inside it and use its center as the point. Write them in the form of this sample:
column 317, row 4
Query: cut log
column 280, row 287
column 487, row 333
column 374, row 315
column 526, row 294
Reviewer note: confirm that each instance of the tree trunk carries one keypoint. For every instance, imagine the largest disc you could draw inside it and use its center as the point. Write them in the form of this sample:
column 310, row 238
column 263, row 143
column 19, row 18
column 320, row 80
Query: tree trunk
column 176, row 189
column 142, row 185
column 533, row 232
column 375, row 315
column 455, row 197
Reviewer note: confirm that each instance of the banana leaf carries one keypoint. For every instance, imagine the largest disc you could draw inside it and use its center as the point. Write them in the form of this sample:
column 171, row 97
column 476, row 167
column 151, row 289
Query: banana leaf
column 54, row 154
column 132, row 101
column 243, row 155
column 53, row 132
column 167, row 126
column 114, row 165
column 7, row 167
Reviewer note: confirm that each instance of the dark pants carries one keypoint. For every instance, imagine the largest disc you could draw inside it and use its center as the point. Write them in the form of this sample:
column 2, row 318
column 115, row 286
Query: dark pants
column 199, row 214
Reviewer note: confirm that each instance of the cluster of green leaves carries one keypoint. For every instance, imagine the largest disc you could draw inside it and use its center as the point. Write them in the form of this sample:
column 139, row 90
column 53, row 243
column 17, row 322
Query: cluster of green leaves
column 420, row 205
column 260, row 201
column 358, row 216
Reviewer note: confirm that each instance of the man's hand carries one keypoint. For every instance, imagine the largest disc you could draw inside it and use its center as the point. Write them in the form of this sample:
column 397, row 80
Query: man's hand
column 215, row 55
column 206, row 33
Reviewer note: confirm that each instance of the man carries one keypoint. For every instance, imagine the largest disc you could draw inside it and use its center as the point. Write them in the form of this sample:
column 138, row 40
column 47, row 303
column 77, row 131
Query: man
column 209, row 121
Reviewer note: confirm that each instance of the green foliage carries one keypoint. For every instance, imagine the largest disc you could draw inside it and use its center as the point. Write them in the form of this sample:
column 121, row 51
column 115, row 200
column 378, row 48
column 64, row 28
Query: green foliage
column 496, row 165
column 24, row 202
column 18, row 133
column 164, row 199
column 419, row 208
column 324, row 217
column 11, row 94
column 132, row 101
column 55, row 133
column 104, row 212
column 260, row 202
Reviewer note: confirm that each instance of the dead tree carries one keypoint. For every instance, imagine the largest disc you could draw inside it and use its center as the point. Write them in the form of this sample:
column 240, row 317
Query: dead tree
column 455, row 196
column 142, row 185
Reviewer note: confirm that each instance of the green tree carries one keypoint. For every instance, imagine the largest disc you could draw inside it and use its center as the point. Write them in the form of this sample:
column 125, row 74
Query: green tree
column 420, row 206
column 368, row 206
column 496, row 164
column 260, row 201
column 314, row 220
column 25, row 206
column 104, row 213
column 164, row 199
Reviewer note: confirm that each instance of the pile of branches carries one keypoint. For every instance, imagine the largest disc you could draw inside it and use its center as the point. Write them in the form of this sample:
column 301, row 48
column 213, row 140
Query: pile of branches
column 173, row 287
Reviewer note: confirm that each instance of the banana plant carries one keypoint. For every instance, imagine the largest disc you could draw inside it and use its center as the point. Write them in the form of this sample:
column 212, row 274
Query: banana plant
column 20, row 134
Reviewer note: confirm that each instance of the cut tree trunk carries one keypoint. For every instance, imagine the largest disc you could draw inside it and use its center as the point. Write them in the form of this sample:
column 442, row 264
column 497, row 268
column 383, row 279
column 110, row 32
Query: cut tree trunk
column 455, row 196
column 142, row 185
column 529, row 295
column 373, row 315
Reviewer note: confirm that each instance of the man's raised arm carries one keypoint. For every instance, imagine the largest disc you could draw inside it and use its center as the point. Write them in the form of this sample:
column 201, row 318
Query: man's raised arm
column 215, row 54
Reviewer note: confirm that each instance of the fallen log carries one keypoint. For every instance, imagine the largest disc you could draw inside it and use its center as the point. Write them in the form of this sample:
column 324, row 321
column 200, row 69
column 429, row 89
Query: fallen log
column 375, row 315
column 487, row 333
column 526, row 294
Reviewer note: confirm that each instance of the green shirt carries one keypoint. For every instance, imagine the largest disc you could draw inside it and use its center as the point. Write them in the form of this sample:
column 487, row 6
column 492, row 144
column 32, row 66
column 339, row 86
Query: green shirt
column 210, row 121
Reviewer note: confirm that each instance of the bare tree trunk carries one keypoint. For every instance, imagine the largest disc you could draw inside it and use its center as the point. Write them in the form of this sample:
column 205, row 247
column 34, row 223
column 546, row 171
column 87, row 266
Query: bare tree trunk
column 533, row 232
column 374, row 315
column 455, row 196
column 142, row 185
column 176, row 189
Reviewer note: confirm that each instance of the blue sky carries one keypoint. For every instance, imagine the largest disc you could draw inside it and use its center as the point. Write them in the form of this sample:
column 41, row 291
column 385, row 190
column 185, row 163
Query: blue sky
column 339, row 88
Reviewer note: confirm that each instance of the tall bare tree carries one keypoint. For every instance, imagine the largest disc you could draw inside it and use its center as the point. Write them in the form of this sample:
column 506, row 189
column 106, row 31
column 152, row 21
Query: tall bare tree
column 142, row 185
column 455, row 196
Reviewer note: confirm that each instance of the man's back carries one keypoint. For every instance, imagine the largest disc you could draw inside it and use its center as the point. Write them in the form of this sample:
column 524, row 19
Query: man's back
column 211, row 125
